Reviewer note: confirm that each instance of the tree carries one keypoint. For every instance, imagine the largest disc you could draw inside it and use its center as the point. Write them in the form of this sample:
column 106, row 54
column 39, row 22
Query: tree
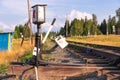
column 103, row 27
column 27, row 32
column 118, row 27
column 16, row 32
column 80, row 26
column 62, row 31
column 21, row 29
column 113, row 23
column 77, row 27
column 94, row 28
column 85, row 29
column 73, row 28
column 98, row 30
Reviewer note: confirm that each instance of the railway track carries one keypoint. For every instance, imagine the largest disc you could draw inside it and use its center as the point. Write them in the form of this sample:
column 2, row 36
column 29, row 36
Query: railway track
column 115, row 49
column 109, row 60
column 74, row 61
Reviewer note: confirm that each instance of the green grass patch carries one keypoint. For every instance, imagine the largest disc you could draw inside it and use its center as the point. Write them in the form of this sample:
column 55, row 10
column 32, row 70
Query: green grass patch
column 27, row 56
column 3, row 68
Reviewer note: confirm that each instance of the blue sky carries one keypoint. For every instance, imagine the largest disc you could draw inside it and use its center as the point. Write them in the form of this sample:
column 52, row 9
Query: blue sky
column 14, row 12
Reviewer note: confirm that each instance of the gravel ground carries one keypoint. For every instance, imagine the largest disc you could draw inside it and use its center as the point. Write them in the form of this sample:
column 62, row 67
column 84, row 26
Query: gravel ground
column 63, row 56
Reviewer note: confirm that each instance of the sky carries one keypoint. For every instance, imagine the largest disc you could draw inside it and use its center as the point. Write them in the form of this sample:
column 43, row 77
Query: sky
column 14, row 12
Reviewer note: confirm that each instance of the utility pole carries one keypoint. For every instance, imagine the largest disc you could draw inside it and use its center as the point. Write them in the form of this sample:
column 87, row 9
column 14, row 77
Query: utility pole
column 30, row 21
column 66, row 26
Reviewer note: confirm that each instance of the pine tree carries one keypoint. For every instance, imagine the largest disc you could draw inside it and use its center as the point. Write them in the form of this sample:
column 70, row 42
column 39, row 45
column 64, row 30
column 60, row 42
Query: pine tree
column 85, row 29
column 62, row 31
column 73, row 29
column 103, row 27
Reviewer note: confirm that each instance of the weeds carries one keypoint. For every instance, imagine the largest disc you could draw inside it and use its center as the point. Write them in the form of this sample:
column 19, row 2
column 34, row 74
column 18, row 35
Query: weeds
column 3, row 68
column 46, row 57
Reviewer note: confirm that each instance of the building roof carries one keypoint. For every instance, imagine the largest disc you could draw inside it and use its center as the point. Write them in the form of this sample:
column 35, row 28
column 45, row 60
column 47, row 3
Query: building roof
column 6, row 32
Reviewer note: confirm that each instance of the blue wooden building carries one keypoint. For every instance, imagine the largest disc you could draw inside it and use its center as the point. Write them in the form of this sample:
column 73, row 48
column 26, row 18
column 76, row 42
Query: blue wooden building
column 6, row 41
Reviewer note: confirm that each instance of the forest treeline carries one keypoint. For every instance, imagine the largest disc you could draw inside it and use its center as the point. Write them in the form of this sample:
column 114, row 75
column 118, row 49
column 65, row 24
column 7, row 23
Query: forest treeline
column 77, row 27
column 85, row 27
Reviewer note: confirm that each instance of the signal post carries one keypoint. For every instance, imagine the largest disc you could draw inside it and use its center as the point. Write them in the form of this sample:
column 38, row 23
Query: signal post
column 39, row 17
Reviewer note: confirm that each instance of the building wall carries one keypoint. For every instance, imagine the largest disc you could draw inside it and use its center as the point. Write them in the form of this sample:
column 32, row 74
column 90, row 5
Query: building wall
column 6, row 41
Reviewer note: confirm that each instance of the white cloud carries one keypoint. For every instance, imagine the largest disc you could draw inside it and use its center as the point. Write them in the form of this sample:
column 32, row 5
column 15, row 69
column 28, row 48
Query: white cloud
column 60, row 19
column 79, row 15
column 5, row 27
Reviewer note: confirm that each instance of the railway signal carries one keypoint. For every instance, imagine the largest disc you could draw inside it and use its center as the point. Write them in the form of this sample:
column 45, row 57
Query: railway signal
column 38, row 18
column 39, row 13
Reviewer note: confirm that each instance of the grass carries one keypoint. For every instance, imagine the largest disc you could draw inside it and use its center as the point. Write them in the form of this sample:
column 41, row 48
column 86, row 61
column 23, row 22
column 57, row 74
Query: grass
column 26, row 56
column 3, row 68
column 16, row 53
column 19, row 53
column 47, row 56
column 111, row 40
